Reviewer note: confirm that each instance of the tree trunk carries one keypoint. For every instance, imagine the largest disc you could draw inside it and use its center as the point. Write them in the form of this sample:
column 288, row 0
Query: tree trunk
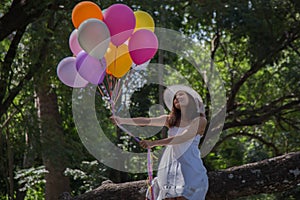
column 268, row 176
column 27, row 11
column 10, row 169
column 52, row 141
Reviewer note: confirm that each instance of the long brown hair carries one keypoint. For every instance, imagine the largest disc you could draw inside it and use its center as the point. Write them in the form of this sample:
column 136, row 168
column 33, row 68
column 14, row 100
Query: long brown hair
column 175, row 115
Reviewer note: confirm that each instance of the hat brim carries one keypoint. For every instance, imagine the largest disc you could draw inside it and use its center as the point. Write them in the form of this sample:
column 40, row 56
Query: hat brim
column 170, row 92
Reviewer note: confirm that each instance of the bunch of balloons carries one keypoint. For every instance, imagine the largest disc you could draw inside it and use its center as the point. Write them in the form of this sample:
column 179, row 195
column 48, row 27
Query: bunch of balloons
column 106, row 43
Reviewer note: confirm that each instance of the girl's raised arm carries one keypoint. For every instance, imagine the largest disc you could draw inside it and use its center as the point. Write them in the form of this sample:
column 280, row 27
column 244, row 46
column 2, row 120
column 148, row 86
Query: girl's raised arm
column 142, row 121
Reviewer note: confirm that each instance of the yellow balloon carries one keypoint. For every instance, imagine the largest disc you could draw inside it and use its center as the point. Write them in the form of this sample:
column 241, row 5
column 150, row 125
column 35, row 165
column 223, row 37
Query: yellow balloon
column 118, row 60
column 143, row 21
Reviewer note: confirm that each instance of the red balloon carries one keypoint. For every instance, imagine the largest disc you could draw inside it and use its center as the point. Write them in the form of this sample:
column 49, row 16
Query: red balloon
column 142, row 46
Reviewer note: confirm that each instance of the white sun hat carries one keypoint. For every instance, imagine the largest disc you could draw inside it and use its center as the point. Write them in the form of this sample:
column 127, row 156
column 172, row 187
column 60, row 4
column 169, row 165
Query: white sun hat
column 170, row 92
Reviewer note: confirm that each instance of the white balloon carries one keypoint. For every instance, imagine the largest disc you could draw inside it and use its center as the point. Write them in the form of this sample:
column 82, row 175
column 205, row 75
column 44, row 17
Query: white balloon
column 94, row 37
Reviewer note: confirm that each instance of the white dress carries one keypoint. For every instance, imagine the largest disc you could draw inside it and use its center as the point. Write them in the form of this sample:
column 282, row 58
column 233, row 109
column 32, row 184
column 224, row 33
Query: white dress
column 181, row 171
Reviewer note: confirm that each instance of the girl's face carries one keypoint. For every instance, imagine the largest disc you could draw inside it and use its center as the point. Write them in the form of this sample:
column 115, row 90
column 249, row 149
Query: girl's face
column 181, row 100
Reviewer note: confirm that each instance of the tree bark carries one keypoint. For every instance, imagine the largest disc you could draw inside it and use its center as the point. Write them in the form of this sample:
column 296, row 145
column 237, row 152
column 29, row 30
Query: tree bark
column 268, row 176
column 10, row 156
column 52, row 142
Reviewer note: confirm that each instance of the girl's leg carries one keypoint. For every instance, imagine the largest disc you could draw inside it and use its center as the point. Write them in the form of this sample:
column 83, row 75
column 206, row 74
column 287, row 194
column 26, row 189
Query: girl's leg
column 176, row 198
column 180, row 198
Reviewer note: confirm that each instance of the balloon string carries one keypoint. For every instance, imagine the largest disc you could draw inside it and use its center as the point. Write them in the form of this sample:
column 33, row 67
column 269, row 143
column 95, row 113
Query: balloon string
column 150, row 172
column 104, row 93
column 120, row 90
column 100, row 91
column 106, row 84
column 110, row 85
column 121, row 107
column 137, row 139
column 113, row 86
column 117, row 91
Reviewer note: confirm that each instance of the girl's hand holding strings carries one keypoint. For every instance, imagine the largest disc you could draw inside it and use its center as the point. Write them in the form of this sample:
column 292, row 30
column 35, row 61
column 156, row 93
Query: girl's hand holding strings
column 115, row 120
column 146, row 144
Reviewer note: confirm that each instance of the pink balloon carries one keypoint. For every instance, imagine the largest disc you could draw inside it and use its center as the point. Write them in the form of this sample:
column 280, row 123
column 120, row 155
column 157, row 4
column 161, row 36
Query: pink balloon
column 73, row 42
column 142, row 46
column 90, row 68
column 120, row 21
column 67, row 73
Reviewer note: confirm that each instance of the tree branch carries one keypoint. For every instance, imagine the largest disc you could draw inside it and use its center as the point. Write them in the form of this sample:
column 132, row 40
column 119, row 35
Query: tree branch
column 260, row 115
column 262, row 140
column 27, row 10
column 6, row 64
column 268, row 176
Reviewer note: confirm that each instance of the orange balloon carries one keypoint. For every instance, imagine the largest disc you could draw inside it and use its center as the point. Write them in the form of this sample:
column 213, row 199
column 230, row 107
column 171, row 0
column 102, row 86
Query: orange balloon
column 85, row 10
column 118, row 60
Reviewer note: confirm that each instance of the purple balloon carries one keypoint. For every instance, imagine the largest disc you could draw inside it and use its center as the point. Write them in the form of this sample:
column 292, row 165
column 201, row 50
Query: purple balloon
column 142, row 46
column 80, row 58
column 73, row 42
column 120, row 21
column 67, row 73
column 90, row 68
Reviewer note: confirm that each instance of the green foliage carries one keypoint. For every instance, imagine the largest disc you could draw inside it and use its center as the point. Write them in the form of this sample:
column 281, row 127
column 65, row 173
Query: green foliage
column 35, row 193
column 259, row 197
column 89, row 175
column 231, row 153
column 4, row 6
column 32, row 181
column 140, row 105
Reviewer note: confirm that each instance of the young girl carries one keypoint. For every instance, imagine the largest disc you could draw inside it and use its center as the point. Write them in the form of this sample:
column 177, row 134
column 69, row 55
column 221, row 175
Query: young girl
column 181, row 174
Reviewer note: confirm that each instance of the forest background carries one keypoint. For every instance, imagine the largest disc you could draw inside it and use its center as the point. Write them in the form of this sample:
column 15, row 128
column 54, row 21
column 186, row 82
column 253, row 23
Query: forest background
column 255, row 46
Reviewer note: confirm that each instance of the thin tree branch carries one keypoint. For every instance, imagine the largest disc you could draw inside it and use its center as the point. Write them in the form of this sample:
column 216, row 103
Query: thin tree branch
column 262, row 114
column 15, row 111
column 266, row 108
column 286, row 39
column 290, row 122
column 253, row 136
column 7, row 63
column 294, row 49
